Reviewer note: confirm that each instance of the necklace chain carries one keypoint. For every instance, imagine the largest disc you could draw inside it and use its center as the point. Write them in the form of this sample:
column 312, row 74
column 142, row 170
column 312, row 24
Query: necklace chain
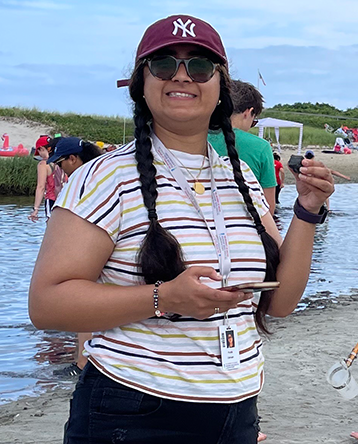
column 198, row 186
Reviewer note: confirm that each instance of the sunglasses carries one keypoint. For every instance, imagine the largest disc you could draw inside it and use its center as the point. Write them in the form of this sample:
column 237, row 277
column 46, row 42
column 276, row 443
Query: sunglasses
column 165, row 67
column 254, row 123
column 60, row 160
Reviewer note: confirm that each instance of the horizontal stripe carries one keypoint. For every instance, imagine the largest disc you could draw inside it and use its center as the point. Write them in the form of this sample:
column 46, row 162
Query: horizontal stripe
column 182, row 354
column 154, row 391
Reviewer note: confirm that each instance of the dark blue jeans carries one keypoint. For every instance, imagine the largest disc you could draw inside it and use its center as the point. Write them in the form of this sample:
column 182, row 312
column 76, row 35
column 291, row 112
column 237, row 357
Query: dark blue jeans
column 106, row 412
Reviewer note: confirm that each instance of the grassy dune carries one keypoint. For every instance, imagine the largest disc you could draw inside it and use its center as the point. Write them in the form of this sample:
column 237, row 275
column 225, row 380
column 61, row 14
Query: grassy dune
column 18, row 176
column 109, row 129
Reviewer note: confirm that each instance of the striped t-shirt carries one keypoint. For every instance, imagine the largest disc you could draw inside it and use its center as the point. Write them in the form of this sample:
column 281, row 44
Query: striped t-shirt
column 177, row 359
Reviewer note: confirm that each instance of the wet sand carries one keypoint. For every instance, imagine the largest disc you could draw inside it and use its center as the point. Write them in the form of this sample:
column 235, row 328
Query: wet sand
column 297, row 405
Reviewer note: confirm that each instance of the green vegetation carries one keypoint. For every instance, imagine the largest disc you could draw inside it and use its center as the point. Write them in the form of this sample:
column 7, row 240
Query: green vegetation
column 88, row 127
column 18, row 176
column 314, row 115
column 290, row 136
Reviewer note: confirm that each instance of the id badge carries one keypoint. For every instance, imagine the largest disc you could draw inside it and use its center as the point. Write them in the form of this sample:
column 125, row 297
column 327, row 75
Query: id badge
column 229, row 347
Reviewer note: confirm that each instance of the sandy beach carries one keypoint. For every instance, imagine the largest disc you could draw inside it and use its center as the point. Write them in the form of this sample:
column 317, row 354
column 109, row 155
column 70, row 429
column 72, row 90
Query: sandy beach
column 20, row 131
column 346, row 164
column 297, row 405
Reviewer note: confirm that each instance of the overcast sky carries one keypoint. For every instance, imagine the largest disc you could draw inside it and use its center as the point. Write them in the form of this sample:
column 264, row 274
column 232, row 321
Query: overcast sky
column 64, row 55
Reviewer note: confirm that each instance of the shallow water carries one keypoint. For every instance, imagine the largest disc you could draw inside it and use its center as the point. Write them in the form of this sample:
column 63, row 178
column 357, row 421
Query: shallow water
column 28, row 356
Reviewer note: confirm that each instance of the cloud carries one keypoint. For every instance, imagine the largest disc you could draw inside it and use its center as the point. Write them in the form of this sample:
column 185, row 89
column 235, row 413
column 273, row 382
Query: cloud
column 87, row 89
column 306, row 51
column 300, row 74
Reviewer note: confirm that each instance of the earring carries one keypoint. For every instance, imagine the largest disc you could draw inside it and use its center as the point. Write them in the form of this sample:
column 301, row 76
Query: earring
column 219, row 101
column 143, row 96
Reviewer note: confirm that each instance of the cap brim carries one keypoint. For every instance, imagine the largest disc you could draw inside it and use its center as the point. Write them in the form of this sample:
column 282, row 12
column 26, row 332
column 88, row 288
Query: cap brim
column 124, row 82
column 53, row 159
column 175, row 41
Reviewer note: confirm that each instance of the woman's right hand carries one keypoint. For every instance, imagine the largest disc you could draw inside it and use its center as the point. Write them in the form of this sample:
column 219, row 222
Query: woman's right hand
column 34, row 215
column 188, row 296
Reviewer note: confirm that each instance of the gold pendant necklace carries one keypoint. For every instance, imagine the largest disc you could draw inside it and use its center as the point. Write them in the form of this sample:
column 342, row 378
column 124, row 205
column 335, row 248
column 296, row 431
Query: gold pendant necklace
column 198, row 186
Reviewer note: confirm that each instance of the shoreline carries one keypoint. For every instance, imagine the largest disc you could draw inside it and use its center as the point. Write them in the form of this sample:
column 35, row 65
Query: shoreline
column 297, row 405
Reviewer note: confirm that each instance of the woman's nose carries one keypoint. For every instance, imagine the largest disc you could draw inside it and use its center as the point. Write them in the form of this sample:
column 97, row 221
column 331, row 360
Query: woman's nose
column 181, row 75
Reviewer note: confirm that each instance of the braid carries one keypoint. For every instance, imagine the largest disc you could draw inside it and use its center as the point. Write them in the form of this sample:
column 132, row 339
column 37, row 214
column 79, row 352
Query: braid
column 160, row 256
column 270, row 245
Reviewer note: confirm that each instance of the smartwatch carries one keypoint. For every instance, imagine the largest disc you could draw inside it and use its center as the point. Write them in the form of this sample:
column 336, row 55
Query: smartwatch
column 312, row 218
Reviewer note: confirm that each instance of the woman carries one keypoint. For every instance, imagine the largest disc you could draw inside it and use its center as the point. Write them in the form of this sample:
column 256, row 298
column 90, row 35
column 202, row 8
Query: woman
column 169, row 222
column 45, row 180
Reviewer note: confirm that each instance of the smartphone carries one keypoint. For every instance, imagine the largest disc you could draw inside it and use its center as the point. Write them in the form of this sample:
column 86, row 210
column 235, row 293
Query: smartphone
column 295, row 162
column 252, row 287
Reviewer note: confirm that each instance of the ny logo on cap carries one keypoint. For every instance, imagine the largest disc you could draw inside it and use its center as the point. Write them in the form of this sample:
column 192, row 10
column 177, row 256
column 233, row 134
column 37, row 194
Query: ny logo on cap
column 178, row 24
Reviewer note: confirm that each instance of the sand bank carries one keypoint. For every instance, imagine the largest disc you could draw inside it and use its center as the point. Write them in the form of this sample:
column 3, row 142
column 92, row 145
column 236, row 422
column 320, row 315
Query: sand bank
column 20, row 131
column 297, row 405
column 346, row 164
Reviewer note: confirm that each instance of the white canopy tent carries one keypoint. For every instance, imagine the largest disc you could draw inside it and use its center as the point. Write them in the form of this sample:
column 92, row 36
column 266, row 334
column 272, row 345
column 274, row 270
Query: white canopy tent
column 269, row 122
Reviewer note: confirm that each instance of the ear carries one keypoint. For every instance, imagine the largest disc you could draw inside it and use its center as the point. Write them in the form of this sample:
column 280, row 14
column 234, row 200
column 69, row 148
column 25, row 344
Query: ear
column 248, row 113
column 72, row 158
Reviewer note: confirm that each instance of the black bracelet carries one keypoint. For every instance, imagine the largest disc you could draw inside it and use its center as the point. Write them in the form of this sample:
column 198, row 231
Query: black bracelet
column 312, row 218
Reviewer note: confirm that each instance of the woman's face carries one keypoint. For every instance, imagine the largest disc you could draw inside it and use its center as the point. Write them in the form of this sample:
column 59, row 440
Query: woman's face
column 181, row 102
column 43, row 152
column 230, row 340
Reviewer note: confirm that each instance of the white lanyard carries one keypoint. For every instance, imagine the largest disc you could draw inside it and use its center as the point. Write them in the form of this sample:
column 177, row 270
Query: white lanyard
column 220, row 238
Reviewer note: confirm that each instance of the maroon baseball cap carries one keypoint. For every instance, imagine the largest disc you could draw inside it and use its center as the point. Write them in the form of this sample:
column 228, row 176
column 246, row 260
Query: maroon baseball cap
column 178, row 29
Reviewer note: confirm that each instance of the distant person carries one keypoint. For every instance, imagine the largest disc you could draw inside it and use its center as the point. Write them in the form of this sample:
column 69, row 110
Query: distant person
column 69, row 154
column 72, row 152
column 45, row 187
column 256, row 152
column 280, row 176
column 310, row 155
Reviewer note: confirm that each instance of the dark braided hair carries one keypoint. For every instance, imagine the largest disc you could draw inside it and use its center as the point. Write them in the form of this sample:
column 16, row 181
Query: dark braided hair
column 270, row 245
column 159, row 247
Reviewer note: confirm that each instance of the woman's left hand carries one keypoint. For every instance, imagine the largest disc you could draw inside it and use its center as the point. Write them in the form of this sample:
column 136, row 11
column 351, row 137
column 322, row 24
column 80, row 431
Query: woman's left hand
column 34, row 216
column 314, row 184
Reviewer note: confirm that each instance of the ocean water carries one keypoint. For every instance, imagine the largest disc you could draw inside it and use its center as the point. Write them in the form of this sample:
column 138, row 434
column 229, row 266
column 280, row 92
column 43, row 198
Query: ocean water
column 29, row 356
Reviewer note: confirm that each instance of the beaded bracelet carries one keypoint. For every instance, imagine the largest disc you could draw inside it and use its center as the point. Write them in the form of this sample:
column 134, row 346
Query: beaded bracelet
column 157, row 312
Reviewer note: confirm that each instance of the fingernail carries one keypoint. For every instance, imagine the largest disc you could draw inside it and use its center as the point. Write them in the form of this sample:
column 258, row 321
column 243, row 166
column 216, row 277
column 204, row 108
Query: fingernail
column 303, row 170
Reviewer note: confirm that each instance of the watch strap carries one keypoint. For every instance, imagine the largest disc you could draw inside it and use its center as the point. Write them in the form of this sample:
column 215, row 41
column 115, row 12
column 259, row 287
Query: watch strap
column 312, row 218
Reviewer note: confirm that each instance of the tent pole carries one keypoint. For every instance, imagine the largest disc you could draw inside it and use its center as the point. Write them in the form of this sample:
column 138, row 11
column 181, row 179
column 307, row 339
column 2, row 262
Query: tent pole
column 300, row 140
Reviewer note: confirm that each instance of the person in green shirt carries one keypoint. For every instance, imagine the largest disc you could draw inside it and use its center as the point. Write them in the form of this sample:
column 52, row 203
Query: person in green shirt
column 256, row 152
